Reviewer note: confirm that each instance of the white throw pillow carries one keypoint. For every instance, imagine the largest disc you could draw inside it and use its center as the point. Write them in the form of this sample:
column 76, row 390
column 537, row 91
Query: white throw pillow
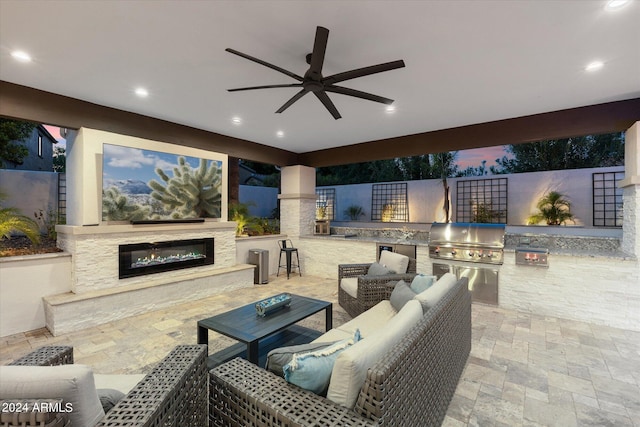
column 393, row 261
column 74, row 384
column 431, row 296
column 351, row 366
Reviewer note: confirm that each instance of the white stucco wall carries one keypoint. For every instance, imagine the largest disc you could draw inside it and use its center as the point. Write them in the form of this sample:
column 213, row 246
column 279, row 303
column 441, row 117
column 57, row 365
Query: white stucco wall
column 426, row 197
column 24, row 280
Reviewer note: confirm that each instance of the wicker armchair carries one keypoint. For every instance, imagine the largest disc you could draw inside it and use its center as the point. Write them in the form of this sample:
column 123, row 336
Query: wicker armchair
column 371, row 289
column 411, row 385
column 174, row 393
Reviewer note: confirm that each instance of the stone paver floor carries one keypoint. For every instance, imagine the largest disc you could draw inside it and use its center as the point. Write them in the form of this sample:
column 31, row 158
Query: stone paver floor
column 524, row 369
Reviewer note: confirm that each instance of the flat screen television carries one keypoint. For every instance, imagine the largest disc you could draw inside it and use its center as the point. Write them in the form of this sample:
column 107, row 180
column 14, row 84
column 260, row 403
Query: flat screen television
column 145, row 185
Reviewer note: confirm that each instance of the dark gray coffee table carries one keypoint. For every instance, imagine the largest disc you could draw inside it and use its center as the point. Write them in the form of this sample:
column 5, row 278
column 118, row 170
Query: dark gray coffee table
column 244, row 325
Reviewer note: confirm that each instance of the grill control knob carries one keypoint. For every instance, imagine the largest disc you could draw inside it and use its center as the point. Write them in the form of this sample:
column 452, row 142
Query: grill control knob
column 436, row 250
column 453, row 252
column 471, row 254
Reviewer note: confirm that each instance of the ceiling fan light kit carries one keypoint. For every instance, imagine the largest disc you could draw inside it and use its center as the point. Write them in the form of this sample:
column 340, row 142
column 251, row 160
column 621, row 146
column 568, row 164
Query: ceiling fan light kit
column 314, row 82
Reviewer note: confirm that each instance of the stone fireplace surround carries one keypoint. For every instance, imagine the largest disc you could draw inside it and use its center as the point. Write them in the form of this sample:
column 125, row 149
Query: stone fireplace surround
column 98, row 296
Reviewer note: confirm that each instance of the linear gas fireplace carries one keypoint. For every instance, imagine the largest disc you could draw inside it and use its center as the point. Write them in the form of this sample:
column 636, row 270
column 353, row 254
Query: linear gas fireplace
column 155, row 257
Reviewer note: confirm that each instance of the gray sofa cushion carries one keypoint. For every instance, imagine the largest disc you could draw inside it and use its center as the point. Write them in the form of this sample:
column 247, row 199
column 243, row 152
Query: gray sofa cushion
column 377, row 269
column 109, row 397
column 401, row 294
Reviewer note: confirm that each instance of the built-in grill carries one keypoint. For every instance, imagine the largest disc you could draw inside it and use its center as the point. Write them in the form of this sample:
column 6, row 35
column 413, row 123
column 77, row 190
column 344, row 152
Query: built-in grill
column 462, row 248
column 463, row 241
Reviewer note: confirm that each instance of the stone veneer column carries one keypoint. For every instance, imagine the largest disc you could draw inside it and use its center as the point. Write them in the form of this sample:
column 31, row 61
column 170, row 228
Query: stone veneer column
column 631, row 192
column 297, row 200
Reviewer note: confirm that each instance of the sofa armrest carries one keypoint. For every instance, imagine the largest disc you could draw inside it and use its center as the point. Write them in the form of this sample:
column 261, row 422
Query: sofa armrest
column 173, row 393
column 352, row 270
column 47, row 356
column 373, row 289
column 240, row 391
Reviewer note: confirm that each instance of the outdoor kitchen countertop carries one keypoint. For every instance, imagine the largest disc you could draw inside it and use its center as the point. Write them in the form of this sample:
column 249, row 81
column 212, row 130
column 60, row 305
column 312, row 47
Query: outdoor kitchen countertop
column 583, row 246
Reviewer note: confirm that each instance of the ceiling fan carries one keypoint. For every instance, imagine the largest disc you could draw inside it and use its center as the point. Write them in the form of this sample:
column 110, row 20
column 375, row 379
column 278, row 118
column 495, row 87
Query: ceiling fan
column 313, row 81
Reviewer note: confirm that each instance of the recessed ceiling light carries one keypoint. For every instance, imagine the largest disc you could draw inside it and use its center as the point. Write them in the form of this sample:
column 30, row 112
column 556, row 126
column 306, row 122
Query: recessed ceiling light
column 390, row 109
column 616, row 4
column 280, row 134
column 236, row 120
column 21, row 56
column 142, row 92
column 594, row 66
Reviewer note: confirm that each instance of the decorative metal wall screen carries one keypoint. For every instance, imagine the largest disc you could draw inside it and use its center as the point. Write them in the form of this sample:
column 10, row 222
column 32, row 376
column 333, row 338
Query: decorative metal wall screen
column 482, row 201
column 326, row 199
column 389, row 202
column 62, row 198
column 607, row 199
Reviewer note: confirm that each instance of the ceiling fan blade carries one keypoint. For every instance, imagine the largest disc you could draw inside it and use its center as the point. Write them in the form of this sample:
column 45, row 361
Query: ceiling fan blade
column 265, row 87
column 361, row 72
column 358, row 94
column 324, row 98
column 317, row 56
column 266, row 64
column 293, row 99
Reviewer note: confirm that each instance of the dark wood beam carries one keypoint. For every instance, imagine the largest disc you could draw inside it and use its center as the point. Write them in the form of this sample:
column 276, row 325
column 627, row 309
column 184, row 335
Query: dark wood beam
column 590, row 120
column 21, row 102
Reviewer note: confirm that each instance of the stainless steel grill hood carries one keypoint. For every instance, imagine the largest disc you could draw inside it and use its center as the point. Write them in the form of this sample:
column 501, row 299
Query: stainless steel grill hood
column 464, row 241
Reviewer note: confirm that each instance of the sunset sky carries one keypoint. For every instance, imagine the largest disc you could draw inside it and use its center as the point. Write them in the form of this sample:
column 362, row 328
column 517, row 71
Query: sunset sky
column 465, row 158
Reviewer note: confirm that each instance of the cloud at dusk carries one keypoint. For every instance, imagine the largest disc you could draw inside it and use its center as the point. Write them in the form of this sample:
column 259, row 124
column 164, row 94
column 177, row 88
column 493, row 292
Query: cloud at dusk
column 474, row 157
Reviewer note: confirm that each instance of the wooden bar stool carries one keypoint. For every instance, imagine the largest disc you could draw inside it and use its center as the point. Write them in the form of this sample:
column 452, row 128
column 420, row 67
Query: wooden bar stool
column 286, row 247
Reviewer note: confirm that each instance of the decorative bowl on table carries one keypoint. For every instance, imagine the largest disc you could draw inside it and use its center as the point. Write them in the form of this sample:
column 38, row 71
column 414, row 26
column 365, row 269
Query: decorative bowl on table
column 271, row 304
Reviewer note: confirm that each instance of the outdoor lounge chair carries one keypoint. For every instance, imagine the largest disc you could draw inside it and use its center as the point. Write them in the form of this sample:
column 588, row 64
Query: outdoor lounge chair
column 361, row 290
column 173, row 393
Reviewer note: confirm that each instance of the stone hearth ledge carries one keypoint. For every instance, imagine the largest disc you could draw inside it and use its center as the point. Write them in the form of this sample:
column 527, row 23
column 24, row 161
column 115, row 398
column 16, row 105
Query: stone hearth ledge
column 69, row 312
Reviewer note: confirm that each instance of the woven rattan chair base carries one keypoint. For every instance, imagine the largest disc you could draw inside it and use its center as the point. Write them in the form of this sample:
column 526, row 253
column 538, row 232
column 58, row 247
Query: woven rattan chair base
column 174, row 393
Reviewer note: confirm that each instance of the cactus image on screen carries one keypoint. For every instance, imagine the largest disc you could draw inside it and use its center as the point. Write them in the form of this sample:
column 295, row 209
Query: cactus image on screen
column 151, row 185
column 190, row 193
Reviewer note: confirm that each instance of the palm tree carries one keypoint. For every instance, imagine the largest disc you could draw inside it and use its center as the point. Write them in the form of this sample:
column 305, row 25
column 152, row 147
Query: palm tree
column 11, row 219
column 443, row 166
column 554, row 210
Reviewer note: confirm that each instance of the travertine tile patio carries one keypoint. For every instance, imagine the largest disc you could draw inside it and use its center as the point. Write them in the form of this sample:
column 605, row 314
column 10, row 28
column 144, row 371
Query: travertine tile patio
column 524, row 369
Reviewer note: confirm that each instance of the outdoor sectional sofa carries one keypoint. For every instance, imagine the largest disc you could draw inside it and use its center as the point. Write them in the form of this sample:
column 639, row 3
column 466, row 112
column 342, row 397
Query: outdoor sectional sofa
column 410, row 384
column 174, row 393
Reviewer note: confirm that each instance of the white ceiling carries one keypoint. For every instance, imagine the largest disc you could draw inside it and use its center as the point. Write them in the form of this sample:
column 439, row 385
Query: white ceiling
column 467, row 62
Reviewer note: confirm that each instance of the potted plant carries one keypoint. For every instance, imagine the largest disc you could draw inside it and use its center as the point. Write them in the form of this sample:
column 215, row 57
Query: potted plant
column 322, row 223
column 554, row 209
column 354, row 212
